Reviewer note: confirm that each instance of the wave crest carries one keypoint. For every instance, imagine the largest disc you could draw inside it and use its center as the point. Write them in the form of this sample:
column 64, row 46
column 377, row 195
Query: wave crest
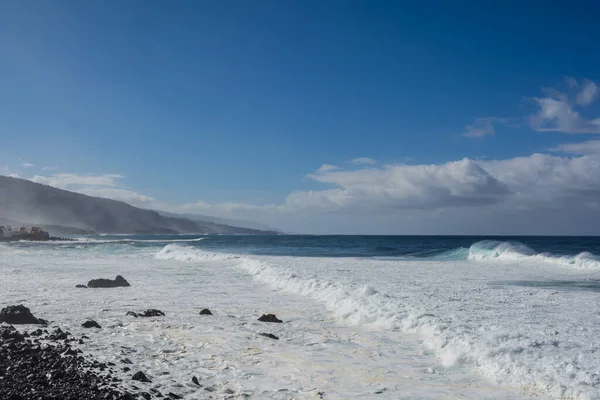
column 187, row 253
column 515, row 251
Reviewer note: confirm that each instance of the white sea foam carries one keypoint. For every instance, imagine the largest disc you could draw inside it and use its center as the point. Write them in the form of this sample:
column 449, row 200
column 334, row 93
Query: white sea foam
column 514, row 251
column 184, row 253
column 315, row 354
column 525, row 325
column 536, row 350
column 515, row 335
column 125, row 241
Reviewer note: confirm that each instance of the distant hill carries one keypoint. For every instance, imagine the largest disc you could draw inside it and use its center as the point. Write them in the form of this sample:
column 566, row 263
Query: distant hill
column 223, row 221
column 36, row 204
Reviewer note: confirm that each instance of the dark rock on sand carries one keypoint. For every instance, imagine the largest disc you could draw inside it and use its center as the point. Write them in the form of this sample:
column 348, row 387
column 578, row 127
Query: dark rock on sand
column 148, row 313
column 10, row 334
column 174, row 396
column 91, row 324
column 19, row 315
column 29, row 371
column 269, row 318
column 81, row 286
column 195, row 380
column 152, row 313
column 206, row 311
column 58, row 334
column 269, row 335
column 108, row 283
column 140, row 376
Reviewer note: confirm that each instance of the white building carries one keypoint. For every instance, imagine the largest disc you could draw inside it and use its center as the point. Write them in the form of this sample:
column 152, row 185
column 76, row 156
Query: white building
column 6, row 231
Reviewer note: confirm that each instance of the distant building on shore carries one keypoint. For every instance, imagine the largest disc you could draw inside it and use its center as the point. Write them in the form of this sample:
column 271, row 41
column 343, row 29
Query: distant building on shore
column 6, row 231
column 33, row 233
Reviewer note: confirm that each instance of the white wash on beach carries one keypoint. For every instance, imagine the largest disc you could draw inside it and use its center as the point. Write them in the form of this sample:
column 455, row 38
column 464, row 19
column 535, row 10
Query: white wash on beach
column 319, row 351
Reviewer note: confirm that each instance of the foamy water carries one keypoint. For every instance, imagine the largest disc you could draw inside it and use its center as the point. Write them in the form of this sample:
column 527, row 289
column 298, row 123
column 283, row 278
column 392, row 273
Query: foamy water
column 506, row 324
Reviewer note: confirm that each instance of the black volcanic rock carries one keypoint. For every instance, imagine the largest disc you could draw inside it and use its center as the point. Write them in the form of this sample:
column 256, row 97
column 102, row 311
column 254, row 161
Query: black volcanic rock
column 148, row 313
column 152, row 313
column 91, row 324
column 55, row 370
column 206, row 311
column 119, row 281
column 11, row 334
column 269, row 318
column 195, row 380
column 269, row 335
column 81, row 287
column 140, row 376
column 58, row 334
column 19, row 315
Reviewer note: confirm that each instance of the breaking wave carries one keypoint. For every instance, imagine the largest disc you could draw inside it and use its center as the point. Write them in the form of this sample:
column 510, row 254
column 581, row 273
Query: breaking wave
column 519, row 252
column 188, row 253
column 127, row 241
column 512, row 358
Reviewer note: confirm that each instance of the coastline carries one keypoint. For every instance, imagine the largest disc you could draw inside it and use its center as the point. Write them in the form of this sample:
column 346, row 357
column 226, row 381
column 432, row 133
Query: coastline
column 47, row 363
column 316, row 355
column 31, row 238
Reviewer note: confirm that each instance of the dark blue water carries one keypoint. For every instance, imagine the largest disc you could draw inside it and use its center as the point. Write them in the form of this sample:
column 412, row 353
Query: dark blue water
column 360, row 246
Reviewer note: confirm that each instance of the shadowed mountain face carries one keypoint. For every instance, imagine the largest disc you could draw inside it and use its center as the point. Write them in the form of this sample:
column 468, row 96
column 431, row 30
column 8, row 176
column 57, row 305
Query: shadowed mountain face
column 32, row 203
column 221, row 221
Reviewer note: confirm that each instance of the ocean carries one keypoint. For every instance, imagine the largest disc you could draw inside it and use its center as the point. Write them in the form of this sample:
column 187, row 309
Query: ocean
column 382, row 317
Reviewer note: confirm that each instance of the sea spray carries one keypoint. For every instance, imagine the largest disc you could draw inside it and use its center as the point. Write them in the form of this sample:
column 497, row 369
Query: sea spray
column 514, row 251
column 516, row 357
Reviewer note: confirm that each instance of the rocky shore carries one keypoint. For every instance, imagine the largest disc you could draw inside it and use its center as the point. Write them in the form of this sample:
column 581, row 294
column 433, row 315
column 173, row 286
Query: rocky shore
column 39, row 360
column 43, row 364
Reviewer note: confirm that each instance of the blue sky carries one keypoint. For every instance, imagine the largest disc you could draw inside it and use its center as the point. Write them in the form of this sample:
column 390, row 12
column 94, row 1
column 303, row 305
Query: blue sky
column 230, row 108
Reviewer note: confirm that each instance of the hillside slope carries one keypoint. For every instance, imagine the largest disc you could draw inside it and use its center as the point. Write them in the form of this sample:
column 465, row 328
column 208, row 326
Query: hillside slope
column 33, row 203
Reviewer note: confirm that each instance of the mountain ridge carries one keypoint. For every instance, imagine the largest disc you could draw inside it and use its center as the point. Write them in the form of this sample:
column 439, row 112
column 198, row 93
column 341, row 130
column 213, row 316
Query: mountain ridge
column 34, row 203
column 217, row 220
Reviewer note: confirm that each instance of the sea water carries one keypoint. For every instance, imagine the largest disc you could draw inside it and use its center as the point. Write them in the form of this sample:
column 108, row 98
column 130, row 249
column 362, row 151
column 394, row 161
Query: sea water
column 364, row 316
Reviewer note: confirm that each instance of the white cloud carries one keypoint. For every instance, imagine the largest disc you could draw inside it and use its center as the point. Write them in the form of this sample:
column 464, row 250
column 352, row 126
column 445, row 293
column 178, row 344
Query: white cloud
column 104, row 185
column 557, row 113
column 6, row 172
column 327, row 167
column 128, row 196
column 363, row 161
column 481, row 127
column 459, row 183
column 542, row 179
column 465, row 196
column 64, row 181
column 27, row 165
column 587, row 94
column 572, row 82
column 47, row 168
column 587, row 147
column 520, row 183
